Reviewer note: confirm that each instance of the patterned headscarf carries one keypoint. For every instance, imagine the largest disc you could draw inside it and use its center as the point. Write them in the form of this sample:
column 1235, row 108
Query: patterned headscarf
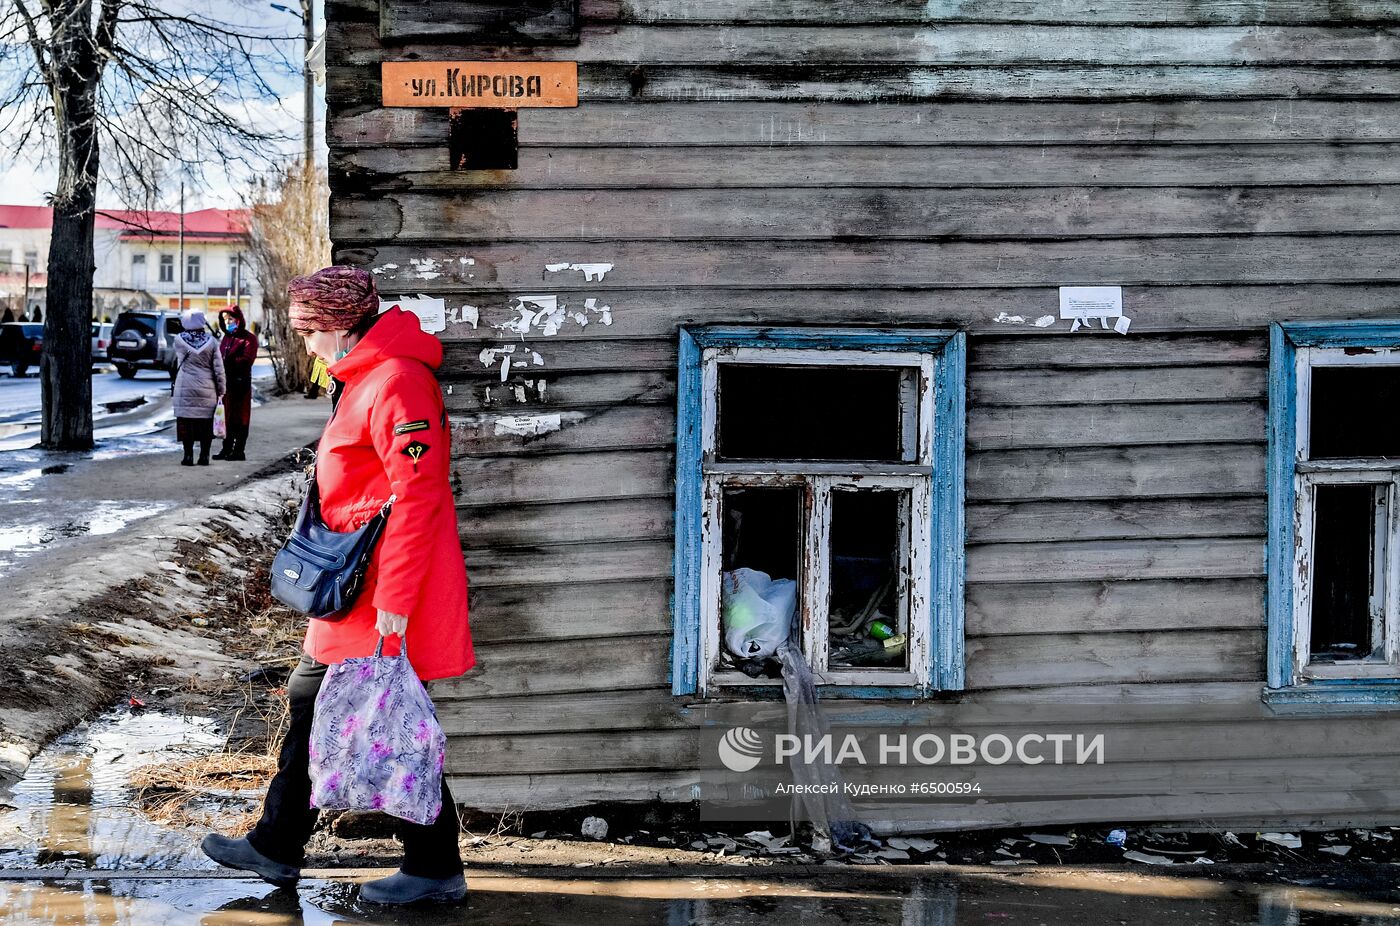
column 333, row 299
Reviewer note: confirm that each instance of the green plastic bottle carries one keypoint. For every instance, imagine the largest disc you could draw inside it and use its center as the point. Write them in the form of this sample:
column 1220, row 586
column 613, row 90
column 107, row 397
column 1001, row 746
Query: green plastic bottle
column 881, row 631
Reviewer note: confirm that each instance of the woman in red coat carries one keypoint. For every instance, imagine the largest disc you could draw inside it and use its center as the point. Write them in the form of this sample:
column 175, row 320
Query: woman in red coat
column 387, row 435
column 239, row 348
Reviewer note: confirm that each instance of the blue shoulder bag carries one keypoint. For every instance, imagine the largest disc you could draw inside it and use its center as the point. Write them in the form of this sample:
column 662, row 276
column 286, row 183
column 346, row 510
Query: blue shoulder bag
column 319, row 571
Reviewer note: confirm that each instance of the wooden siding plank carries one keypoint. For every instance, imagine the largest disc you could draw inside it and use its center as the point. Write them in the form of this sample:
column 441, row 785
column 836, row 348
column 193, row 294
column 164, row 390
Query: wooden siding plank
column 559, row 666
column 539, row 526
column 653, row 709
column 1185, row 470
column 611, row 561
column 1093, row 659
column 871, row 265
column 496, row 22
column 786, row 124
column 1142, row 747
column 1155, row 309
column 1113, row 520
column 1046, row 386
column 576, row 609
column 617, row 427
column 349, row 85
column 886, row 213
column 1113, row 425
column 1107, row 560
column 736, row 44
column 511, row 793
column 1190, row 12
column 1011, row 353
column 556, row 167
column 480, row 361
column 568, row 390
column 562, row 477
column 1103, row 606
column 1128, row 472
column 482, row 392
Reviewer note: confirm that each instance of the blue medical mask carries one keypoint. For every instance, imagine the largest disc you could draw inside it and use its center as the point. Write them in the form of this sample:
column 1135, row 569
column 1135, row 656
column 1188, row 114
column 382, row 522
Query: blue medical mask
column 230, row 326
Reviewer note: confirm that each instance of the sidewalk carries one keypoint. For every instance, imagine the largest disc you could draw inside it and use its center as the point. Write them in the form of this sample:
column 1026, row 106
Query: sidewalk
column 135, row 544
column 54, row 506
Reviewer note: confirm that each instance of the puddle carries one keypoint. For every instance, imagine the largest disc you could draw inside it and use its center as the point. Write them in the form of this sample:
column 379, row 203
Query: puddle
column 499, row 898
column 74, row 851
column 26, row 534
column 73, row 809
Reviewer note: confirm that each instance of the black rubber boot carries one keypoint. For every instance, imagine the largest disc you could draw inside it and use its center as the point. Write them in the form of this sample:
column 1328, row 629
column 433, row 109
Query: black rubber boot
column 203, row 453
column 188, row 459
column 400, row 888
column 240, row 854
column 224, row 451
column 236, row 455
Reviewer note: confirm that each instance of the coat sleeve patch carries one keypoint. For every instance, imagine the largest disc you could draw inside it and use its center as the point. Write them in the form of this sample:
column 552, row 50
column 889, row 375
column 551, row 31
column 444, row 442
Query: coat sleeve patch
column 414, row 451
column 408, row 427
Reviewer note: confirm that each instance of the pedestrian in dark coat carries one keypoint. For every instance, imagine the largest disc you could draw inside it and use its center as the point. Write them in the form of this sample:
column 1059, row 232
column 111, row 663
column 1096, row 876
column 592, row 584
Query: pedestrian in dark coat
column 199, row 385
column 239, row 350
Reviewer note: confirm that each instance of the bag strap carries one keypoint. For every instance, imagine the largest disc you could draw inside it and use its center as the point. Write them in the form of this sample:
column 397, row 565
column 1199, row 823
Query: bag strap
column 314, row 496
column 403, row 648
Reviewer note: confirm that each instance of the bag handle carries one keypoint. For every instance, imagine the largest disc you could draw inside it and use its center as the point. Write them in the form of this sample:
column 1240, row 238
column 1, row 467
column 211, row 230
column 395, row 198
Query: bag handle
column 403, row 648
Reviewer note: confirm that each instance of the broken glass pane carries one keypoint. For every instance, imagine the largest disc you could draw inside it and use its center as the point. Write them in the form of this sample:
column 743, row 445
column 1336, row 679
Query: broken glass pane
column 760, row 572
column 1345, row 402
column 1348, row 590
column 867, row 622
column 787, row 412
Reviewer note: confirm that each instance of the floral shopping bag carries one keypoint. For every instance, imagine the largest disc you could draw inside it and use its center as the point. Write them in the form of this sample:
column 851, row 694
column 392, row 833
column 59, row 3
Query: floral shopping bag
column 375, row 740
column 220, row 421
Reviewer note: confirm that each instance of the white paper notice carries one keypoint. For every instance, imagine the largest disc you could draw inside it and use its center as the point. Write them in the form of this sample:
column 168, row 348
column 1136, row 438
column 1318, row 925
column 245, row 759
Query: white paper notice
column 432, row 313
column 1085, row 302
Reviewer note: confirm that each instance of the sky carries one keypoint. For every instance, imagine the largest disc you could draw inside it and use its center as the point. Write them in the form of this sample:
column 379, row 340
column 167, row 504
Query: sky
column 26, row 178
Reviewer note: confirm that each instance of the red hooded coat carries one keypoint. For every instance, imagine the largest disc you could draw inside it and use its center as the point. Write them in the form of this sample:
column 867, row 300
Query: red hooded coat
column 389, row 434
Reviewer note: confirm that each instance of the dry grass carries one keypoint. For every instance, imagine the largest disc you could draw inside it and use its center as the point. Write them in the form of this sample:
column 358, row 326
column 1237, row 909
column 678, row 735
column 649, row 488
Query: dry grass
column 220, row 771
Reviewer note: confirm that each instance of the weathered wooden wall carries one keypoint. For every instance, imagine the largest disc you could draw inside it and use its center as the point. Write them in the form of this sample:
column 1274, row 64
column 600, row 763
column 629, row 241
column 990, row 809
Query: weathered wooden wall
column 946, row 163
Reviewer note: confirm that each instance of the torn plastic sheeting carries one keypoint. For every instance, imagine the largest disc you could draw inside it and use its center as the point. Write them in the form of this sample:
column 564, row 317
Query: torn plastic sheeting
column 758, row 611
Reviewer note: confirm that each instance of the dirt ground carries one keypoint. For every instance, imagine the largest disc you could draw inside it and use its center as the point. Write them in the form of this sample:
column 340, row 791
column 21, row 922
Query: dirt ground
column 200, row 636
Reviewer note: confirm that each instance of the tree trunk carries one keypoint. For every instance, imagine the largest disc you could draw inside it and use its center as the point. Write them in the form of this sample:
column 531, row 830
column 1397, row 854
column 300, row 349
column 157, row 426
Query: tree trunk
column 66, row 367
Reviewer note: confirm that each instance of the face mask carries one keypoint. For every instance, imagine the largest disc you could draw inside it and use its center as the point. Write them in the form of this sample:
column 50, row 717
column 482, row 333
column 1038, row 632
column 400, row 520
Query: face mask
column 231, row 326
column 342, row 352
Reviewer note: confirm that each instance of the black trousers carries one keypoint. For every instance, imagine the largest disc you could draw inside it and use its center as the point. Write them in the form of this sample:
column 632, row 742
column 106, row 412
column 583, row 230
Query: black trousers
column 288, row 818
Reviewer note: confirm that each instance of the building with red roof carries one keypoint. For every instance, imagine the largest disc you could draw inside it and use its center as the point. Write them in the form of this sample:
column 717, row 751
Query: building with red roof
column 139, row 263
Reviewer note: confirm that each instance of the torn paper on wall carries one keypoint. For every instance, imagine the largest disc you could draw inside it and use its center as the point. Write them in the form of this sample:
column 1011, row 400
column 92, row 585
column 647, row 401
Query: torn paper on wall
column 1083, row 304
column 467, row 313
column 432, row 313
column 1043, row 321
column 591, row 272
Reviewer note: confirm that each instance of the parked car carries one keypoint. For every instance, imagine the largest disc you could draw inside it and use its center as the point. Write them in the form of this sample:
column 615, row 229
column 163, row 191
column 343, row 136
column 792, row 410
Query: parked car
column 101, row 337
column 21, row 345
column 143, row 341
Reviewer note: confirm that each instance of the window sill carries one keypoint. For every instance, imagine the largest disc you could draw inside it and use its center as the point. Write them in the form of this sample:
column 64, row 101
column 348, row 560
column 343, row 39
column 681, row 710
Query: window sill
column 1335, row 694
column 769, row 690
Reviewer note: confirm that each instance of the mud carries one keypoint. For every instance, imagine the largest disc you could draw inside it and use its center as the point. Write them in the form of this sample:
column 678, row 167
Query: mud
column 935, row 899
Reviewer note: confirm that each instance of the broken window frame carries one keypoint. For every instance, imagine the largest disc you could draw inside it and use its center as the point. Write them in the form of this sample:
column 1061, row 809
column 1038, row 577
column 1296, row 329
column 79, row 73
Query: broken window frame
column 934, row 478
column 1311, row 474
column 1296, row 348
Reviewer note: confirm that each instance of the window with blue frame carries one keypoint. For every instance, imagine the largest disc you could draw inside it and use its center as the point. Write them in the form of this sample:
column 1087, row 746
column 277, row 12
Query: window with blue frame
column 819, row 497
column 1334, row 534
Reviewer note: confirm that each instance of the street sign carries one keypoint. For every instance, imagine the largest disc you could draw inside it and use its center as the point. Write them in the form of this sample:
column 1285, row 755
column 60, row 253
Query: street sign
column 480, row 84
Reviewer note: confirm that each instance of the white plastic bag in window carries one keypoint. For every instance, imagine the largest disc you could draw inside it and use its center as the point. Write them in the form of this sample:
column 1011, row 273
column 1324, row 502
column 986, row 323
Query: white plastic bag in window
column 757, row 612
